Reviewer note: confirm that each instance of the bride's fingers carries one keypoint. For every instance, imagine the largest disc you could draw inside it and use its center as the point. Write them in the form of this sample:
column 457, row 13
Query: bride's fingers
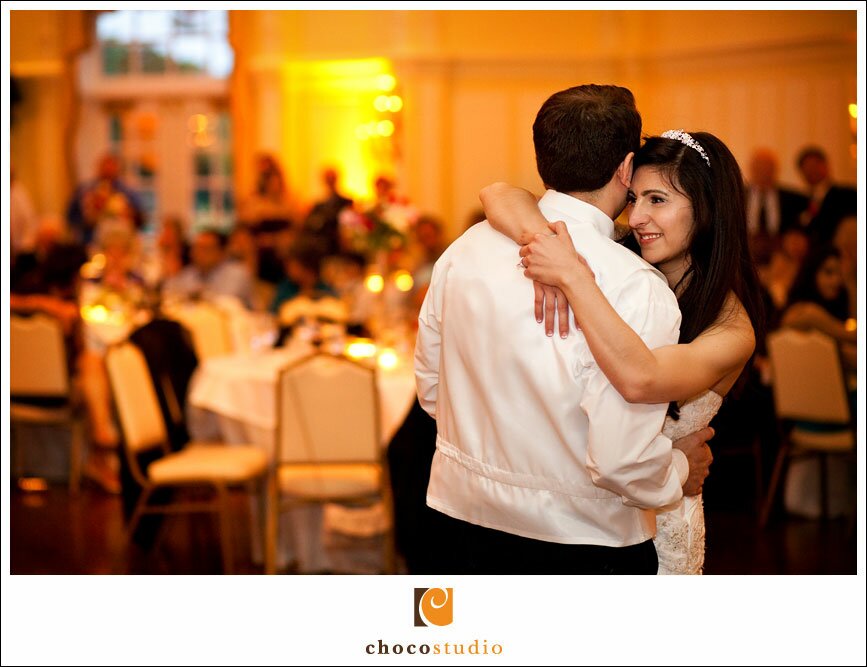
column 562, row 314
column 538, row 301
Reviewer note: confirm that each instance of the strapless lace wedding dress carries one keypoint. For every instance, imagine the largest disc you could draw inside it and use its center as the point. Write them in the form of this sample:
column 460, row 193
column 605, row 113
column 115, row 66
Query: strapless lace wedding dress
column 679, row 537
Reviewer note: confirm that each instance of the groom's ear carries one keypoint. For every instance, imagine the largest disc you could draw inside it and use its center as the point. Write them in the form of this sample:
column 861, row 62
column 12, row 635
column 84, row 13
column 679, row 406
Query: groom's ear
column 624, row 171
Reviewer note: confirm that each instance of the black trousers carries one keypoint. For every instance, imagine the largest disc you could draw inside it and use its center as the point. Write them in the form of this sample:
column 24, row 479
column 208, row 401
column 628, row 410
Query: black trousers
column 466, row 548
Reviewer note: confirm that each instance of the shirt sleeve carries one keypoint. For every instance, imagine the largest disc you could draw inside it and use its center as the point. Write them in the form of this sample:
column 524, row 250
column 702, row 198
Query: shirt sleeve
column 429, row 340
column 626, row 451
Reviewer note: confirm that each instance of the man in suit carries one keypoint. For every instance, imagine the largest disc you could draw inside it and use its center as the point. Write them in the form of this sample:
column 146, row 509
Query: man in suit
column 829, row 203
column 771, row 208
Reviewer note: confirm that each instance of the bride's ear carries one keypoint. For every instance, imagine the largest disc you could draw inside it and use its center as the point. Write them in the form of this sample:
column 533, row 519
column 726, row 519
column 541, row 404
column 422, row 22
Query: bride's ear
column 624, row 171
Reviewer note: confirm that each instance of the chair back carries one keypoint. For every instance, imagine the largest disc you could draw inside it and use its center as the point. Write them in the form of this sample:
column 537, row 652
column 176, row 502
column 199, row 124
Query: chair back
column 37, row 357
column 208, row 326
column 137, row 406
column 808, row 377
column 328, row 411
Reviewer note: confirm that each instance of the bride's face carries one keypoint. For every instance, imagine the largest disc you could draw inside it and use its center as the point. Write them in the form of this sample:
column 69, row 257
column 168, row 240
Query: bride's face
column 661, row 220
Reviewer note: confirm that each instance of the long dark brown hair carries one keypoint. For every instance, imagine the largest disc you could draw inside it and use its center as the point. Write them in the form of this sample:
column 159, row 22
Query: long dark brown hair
column 719, row 257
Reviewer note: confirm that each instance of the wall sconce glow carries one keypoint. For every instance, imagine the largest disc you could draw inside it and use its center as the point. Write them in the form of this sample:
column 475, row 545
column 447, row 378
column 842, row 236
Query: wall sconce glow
column 374, row 283
column 360, row 348
column 385, row 128
column 386, row 82
column 853, row 110
column 362, row 132
column 387, row 359
column 403, row 281
column 198, row 122
column 395, row 103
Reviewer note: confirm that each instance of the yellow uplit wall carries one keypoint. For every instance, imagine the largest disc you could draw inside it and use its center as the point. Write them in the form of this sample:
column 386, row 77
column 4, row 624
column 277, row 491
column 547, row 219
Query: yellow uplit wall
column 330, row 118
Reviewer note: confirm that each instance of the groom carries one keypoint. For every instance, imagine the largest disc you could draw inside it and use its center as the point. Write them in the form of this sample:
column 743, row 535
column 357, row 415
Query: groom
column 541, row 466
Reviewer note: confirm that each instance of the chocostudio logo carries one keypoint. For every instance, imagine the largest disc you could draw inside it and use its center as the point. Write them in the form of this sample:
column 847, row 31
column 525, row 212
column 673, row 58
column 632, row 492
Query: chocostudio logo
column 433, row 606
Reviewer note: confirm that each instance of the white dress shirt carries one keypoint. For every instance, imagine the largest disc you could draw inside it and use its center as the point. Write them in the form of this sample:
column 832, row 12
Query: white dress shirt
column 532, row 438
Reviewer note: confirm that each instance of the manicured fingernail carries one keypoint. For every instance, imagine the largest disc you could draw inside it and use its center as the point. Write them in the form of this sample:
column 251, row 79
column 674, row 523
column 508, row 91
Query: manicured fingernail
column 549, row 333
column 538, row 320
column 563, row 335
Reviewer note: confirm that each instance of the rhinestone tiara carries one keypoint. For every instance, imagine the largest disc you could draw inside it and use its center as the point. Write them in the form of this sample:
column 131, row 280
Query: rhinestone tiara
column 686, row 138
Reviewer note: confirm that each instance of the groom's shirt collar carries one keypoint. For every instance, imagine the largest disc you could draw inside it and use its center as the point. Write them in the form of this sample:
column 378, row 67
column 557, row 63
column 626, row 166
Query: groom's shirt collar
column 574, row 210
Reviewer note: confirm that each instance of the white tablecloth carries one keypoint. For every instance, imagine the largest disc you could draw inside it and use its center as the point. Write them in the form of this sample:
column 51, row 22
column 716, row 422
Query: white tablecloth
column 234, row 398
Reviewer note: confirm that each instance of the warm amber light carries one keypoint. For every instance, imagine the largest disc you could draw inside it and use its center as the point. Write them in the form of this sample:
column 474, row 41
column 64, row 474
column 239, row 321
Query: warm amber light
column 385, row 128
column 32, row 484
column 395, row 103
column 387, row 359
column 382, row 103
column 374, row 283
column 853, row 110
column 360, row 348
column 198, row 123
column 97, row 313
column 386, row 82
column 403, row 281
column 851, row 324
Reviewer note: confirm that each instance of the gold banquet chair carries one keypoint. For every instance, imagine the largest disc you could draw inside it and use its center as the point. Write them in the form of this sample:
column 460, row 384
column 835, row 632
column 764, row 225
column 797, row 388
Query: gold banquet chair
column 199, row 466
column 808, row 386
column 208, row 325
column 39, row 387
column 329, row 439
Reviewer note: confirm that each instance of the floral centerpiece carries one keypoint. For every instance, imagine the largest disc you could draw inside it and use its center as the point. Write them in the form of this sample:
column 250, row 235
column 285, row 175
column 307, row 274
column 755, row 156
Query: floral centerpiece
column 383, row 228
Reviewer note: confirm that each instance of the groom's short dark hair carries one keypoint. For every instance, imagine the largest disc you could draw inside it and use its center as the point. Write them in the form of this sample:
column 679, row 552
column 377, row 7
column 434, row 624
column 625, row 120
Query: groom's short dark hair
column 582, row 134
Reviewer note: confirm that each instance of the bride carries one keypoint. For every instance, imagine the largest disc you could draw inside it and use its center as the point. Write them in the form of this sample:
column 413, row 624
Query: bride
column 686, row 213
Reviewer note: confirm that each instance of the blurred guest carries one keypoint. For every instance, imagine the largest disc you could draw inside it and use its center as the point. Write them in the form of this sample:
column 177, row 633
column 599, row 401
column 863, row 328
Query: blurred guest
column 321, row 223
column 270, row 198
column 106, row 197
column 846, row 241
column 346, row 273
column 211, row 273
column 172, row 247
column 778, row 275
column 829, row 203
column 242, row 248
column 302, row 265
column 52, row 288
column 429, row 245
column 771, row 208
column 274, row 237
column 23, row 221
column 819, row 300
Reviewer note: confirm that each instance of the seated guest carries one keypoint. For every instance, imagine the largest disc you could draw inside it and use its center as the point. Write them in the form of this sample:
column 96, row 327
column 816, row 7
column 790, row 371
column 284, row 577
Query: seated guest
column 302, row 265
column 819, row 300
column 211, row 273
column 51, row 287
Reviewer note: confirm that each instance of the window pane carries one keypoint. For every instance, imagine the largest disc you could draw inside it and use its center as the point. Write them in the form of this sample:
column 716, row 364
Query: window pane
column 115, row 26
column 203, row 164
column 153, row 59
column 152, row 26
column 115, row 58
column 202, row 200
column 226, row 163
column 228, row 201
column 190, row 53
column 220, row 58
